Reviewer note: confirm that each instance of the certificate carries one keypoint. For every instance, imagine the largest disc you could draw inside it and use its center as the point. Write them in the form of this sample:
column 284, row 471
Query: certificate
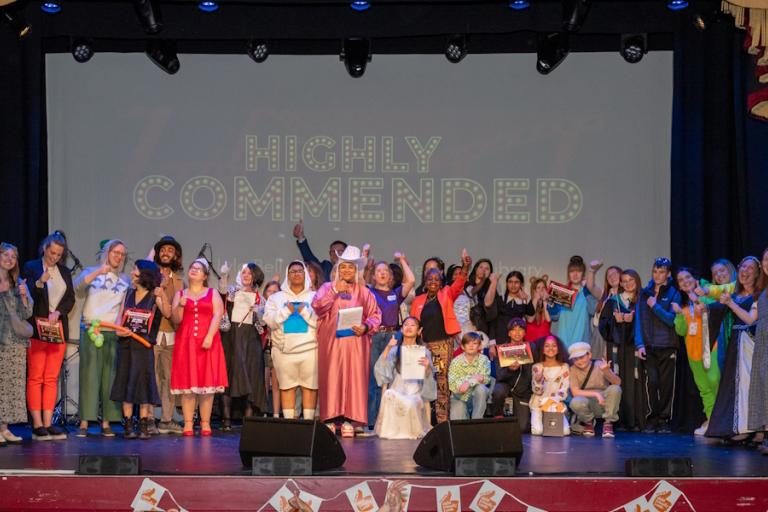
column 410, row 369
column 138, row 320
column 348, row 318
column 242, row 308
column 51, row 332
column 514, row 352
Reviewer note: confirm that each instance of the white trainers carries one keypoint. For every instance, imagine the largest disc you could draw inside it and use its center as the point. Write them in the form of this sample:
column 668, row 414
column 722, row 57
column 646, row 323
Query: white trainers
column 10, row 437
column 702, row 429
column 347, row 430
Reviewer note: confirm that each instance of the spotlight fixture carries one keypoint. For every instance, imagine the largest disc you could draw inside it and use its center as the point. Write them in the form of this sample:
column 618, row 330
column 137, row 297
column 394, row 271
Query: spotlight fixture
column 574, row 14
column 16, row 21
column 149, row 16
column 82, row 50
column 163, row 53
column 677, row 5
column 519, row 5
column 552, row 49
column 51, row 7
column 258, row 50
column 633, row 47
column 356, row 54
column 208, row 6
column 360, row 5
column 456, row 48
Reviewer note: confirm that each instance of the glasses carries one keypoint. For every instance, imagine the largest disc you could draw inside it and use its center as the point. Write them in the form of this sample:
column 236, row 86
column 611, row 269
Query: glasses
column 296, row 271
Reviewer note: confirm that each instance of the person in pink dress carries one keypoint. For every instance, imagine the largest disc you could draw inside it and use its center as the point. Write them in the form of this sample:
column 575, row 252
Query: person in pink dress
column 344, row 362
column 199, row 369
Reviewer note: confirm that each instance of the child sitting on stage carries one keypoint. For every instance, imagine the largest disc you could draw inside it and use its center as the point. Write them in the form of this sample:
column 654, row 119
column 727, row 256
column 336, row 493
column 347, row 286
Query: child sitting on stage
column 550, row 383
column 514, row 381
column 468, row 377
column 404, row 410
column 596, row 391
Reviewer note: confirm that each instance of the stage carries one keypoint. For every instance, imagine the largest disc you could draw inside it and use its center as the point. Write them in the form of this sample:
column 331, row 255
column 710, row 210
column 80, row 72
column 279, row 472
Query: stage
column 206, row 474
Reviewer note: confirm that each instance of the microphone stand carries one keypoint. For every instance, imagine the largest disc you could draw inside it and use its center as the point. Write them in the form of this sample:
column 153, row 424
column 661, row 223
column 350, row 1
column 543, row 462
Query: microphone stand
column 202, row 255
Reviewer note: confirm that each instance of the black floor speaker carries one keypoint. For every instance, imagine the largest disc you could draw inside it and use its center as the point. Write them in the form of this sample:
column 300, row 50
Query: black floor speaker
column 276, row 437
column 499, row 438
column 659, row 467
column 109, row 465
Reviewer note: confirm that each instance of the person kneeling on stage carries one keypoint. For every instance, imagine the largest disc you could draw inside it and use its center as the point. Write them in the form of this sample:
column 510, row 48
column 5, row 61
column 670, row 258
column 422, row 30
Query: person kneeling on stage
column 513, row 382
column 145, row 305
column 596, row 392
column 293, row 333
column 404, row 411
column 468, row 377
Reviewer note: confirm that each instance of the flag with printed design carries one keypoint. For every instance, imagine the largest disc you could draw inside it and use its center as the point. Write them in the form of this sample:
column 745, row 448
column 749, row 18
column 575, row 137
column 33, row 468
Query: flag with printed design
column 664, row 497
column 534, row 509
column 448, row 498
column 148, row 497
column 279, row 500
column 313, row 501
column 637, row 505
column 361, row 498
column 487, row 498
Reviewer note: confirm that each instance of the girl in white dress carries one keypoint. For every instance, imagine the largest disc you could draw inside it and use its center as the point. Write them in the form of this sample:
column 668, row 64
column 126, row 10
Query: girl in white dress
column 550, row 383
column 404, row 410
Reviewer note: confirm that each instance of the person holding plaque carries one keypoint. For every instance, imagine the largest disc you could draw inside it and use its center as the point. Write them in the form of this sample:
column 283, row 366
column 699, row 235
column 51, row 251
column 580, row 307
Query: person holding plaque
column 144, row 307
column 104, row 287
column 54, row 297
column 199, row 369
column 405, row 366
column 293, row 333
column 347, row 315
column 572, row 322
column 243, row 349
column 513, row 378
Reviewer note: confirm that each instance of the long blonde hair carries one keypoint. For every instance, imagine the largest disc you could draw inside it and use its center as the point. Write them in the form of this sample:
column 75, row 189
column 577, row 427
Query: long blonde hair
column 539, row 315
column 13, row 274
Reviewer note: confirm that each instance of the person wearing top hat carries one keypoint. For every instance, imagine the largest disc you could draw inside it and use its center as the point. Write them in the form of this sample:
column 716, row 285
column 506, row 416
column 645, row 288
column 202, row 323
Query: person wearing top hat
column 104, row 287
column 344, row 357
column 167, row 255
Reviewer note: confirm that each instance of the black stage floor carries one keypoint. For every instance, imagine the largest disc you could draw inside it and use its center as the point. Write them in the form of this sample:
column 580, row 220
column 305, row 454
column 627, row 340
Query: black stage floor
column 218, row 455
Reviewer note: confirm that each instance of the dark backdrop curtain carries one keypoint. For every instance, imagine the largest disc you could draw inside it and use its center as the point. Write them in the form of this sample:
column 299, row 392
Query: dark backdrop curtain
column 23, row 166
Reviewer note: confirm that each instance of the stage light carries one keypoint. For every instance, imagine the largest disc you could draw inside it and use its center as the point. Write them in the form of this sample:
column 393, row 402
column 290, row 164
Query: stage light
column 519, row 5
column 163, row 53
column 16, row 21
column 552, row 49
column 258, row 50
column 633, row 47
column 208, row 6
column 456, row 48
column 360, row 5
column 82, row 50
column 574, row 14
column 149, row 16
column 356, row 54
column 677, row 5
column 51, row 7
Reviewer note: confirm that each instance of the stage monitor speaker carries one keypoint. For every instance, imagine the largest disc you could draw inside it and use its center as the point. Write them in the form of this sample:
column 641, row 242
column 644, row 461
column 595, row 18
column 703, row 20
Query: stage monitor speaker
column 275, row 437
column 659, row 467
column 496, row 438
column 109, row 465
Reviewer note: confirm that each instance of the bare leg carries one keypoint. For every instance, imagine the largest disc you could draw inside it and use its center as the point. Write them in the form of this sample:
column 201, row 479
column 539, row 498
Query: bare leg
column 37, row 420
column 145, row 410
column 188, row 410
column 127, row 411
column 288, row 401
column 206, row 406
column 309, row 398
column 47, row 418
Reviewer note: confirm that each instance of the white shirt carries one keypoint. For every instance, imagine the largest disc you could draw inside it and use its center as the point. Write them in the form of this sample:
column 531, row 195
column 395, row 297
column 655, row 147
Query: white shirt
column 56, row 287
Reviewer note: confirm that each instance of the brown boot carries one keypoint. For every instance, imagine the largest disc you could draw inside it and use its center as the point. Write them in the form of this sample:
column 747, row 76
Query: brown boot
column 144, row 429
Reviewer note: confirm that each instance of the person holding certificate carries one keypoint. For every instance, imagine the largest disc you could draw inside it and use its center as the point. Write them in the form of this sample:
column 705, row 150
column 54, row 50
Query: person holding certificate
column 293, row 333
column 347, row 315
column 243, row 349
column 406, row 367
column 54, row 297
column 144, row 307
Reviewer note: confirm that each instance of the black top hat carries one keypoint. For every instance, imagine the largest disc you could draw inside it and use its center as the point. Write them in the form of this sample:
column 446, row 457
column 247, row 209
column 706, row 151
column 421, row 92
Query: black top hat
column 167, row 240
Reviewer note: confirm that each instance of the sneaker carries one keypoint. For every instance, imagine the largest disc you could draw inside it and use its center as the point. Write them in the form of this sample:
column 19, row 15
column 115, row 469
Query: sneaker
column 8, row 436
column 347, row 430
column 129, row 428
column 152, row 424
column 169, row 427
column 589, row 429
column 41, row 434
column 702, row 430
column 107, row 432
column 608, row 431
column 81, row 432
column 56, row 433
column 144, row 429
column 664, row 428
column 364, row 432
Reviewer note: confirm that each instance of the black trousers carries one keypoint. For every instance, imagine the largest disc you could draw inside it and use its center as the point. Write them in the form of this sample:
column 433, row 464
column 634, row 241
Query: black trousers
column 522, row 412
column 660, row 368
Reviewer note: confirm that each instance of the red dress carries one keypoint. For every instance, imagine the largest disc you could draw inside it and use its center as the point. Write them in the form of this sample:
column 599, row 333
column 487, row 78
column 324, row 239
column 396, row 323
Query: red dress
column 194, row 369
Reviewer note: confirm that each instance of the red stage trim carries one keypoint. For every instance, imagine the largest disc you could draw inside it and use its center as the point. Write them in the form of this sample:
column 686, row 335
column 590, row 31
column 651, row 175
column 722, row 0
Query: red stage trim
column 67, row 493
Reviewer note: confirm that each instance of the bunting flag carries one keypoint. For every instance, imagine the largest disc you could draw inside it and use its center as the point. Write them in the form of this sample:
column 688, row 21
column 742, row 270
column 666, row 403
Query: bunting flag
column 148, row 497
column 361, row 498
column 448, row 498
column 487, row 498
